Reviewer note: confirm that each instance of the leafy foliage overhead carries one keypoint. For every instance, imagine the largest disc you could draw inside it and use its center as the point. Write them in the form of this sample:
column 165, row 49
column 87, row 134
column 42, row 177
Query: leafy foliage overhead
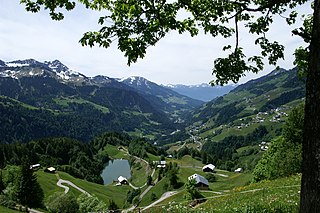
column 136, row 25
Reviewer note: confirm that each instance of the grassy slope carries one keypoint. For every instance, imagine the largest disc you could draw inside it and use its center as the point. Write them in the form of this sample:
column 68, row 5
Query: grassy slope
column 48, row 183
column 65, row 102
column 281, row 195
column 114, row 152
column 189, row 166
column 139, row 173
column 103, row 192
column 270, row 194
column 7, row 210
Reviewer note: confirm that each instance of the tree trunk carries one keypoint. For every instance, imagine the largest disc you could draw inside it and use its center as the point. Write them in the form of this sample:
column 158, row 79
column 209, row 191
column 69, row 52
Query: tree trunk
column 310, row 183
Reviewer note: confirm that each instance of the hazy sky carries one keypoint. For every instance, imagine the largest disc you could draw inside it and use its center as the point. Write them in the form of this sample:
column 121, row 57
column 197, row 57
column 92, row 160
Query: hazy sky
column 175, row 59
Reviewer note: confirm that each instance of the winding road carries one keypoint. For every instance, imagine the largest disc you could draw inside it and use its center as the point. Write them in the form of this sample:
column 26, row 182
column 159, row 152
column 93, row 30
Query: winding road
column 66, row 188
column 162, row 198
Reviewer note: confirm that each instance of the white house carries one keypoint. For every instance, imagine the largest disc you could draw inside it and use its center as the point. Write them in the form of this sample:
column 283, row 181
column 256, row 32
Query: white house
column 238, row 170
column 208, row 168
column 122, row 180
column 35, row 166
column 50, row 169
column 201, row 182
column 160, row 164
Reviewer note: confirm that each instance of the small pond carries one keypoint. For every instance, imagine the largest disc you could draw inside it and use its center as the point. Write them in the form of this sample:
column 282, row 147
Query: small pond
column 114, row 169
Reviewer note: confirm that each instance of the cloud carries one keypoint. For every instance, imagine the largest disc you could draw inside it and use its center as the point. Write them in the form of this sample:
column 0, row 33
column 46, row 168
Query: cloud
column 175, row 59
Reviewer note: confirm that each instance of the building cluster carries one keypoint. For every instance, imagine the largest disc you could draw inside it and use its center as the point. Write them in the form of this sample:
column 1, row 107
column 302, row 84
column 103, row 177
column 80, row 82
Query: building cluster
column 264, row 145
column 47, row 169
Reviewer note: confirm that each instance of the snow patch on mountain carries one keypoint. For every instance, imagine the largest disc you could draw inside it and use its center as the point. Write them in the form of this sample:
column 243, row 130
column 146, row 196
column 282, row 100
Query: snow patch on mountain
column 10, row 64
column 137, row 81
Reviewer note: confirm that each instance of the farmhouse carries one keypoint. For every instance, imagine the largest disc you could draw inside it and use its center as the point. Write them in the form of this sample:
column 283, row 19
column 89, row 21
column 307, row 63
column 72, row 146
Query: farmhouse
column 35, row 166
column 208, row 168
column 200, row 181
column 160, row 164
column 50, row 169
column 122, row 180
column 238, row 170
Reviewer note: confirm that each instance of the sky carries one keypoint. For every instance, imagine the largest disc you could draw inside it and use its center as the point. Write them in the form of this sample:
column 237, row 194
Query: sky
column 176, row 59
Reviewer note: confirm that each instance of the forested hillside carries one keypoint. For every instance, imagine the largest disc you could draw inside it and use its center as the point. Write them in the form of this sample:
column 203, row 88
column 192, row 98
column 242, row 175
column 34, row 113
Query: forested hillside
column 234, row 130
column 48, row 99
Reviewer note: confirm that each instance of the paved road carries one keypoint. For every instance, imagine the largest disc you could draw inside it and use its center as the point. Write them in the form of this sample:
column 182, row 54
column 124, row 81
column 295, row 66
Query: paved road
column 222, row 175
column 147, row 189
column 162, row 198
column 134, row 187
column 66, row 188
column 34, row 211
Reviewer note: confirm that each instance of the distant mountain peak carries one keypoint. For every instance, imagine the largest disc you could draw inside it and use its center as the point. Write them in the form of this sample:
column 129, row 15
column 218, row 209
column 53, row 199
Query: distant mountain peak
column 57, row 66
column 203, row 92
column 137, row 81
column 101, row 79
column 22, row 63
column 35, row 68
column 135, row 78
column 63, row 71
column 277, row 71
column 2, row 63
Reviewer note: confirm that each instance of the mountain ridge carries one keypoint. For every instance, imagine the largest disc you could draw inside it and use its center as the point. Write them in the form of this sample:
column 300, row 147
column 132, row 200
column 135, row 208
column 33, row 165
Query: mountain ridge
column 204, row 92
column 52, row 90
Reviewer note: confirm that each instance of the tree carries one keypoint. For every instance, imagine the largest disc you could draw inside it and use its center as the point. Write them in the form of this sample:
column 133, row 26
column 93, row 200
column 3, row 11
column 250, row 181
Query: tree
column 192, row 190
column 204, row 157
column 293, row 128
column 113, row 206
column 210, row 177
column 171, row 172
column 2, row 187
column 29, row 192
column 153, row 196
column 283, row 158
column 136, row 25
column 90, row 204
column 62, row 203
column 149, row 180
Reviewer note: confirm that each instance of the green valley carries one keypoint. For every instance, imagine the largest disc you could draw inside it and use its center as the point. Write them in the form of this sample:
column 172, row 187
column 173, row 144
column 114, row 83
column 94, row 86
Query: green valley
column 73, row 127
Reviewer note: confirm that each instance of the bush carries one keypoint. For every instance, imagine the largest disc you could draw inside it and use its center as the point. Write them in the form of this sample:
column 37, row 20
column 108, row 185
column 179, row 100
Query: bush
column 153, row 196
column 90, row 204
column 210, row 177
column 280, row 160
column 62, row 203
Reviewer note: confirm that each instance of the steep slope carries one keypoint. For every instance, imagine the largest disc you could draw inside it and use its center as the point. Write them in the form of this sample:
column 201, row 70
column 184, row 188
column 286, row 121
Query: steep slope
column 170, row 102
column 203, row 92
column 48, row 99
column 264, row 94
column 235, row 129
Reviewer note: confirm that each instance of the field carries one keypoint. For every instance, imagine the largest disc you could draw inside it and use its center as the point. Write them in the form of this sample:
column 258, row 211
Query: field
column 7, row 210
column 225, row 181
column 231, row 192
column 103, row 192
column 281, row 195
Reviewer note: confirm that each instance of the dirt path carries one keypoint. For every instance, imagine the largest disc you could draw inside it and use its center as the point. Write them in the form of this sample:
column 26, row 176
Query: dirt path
column 214, row 192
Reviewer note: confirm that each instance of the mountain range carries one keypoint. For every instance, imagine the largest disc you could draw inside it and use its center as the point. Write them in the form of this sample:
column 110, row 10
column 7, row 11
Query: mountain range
column 264, row 101
column 48, row 99
column 204, row 92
